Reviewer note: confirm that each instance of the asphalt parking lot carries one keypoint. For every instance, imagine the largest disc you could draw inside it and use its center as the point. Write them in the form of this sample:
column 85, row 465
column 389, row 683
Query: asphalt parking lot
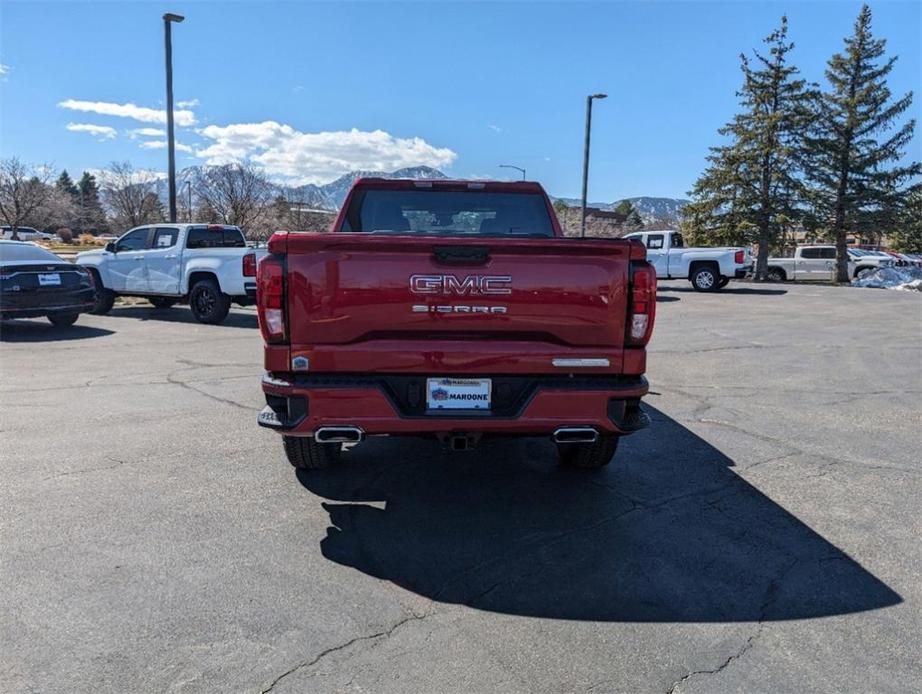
column 762, row 535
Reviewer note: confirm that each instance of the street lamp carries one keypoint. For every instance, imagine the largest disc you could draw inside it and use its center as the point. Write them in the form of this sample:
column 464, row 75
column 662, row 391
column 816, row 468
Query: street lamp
column 168, row 19
column 582, row 224
column 512, row 166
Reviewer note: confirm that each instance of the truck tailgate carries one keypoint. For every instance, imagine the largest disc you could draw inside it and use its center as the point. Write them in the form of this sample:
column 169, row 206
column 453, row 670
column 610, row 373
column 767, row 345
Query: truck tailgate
column 455, row 297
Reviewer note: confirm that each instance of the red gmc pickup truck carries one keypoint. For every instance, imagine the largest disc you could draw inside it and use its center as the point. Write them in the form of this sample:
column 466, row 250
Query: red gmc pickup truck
column 453, row 309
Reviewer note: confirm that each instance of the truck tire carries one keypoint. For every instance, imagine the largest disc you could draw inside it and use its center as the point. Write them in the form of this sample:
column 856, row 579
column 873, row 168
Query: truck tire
column 161, row 301
column 63, row 320
column 776, row 274
column 105, row 300
column 705, row 279
column 724, row 281
column 588, row 455
column 208, row 303
column 306, row 454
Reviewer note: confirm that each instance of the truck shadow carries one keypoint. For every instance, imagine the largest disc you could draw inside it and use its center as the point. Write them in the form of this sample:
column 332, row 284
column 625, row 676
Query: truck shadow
column 182, row 314
column 667, row 533
column 40, row 330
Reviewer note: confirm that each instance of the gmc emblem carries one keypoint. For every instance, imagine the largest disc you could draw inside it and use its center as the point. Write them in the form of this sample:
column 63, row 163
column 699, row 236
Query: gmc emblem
column 472, row 285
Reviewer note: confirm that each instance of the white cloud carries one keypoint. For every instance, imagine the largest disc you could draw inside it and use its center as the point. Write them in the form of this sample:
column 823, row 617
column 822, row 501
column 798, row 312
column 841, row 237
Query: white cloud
column 146, row 132
column 141, row 113
column 101, row 132
column 300, row 157
column 495, row 128
column 161, row 144
column 4, row 69
column 191, row 103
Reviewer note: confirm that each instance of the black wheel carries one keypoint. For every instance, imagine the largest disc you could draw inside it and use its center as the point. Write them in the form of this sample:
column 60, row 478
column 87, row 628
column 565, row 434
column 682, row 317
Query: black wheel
column 63, row 320
column 776, row 274
column 161, row 301
column 208, row 303
column 588, row 455
column 705, row 279
column 306, row 454
column 105, row 300
column 724, row 281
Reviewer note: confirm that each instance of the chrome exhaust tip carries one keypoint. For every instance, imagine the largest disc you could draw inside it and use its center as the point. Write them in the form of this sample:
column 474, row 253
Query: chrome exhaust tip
column 575, row 435
column 346, row 434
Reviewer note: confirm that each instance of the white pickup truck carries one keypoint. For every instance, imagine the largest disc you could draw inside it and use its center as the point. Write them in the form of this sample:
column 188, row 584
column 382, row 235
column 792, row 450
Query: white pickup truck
column 208, row 265
column 708, row 269
column 818, row 264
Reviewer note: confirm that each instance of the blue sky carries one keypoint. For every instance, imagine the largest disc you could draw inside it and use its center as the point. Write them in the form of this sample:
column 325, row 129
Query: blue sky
column 311, row 90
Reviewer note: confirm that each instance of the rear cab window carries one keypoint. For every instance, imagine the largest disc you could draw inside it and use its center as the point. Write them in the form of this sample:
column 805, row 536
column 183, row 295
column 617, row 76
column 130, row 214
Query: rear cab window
column 165, row 237
column 215, row 236
column 448, row 212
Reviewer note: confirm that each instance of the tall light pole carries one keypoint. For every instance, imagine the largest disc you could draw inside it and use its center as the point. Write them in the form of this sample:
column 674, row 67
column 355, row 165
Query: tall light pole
column 168, row 20
column 512, row 166
column 582, row 224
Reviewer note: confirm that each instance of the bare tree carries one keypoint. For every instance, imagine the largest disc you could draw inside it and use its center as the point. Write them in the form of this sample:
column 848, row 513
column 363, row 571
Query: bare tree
column 58, row 209
column 237, row 194
column 130, row 194
column 23, row 189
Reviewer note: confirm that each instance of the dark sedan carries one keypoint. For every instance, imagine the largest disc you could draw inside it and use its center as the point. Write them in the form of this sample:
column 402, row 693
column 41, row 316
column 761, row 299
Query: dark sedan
column 35, row 283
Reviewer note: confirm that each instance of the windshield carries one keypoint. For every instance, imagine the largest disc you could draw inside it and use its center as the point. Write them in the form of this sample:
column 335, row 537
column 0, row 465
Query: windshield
column 19, row 251
column 452, row 213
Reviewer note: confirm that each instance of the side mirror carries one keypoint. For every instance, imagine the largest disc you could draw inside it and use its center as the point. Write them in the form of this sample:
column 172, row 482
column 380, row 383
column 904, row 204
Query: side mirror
column 110, row 247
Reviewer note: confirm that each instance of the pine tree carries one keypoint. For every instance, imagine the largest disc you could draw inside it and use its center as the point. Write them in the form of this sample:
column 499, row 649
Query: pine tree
column 91, row 212
column 66, row 185
column 634, row 221
column 624, row 208
column 850, row 157
column 751, row 183
column 907, row 236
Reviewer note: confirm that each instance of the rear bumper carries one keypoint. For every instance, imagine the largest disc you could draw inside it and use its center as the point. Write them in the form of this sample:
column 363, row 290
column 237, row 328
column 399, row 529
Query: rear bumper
column 34, row 305
column 742, row 272
column 395, row 404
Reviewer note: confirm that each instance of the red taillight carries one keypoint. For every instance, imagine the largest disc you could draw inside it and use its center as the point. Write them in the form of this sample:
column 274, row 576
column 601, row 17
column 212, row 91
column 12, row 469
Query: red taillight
column 249, row 265
column 739, row 257
column 642, row 308
column 270, row 297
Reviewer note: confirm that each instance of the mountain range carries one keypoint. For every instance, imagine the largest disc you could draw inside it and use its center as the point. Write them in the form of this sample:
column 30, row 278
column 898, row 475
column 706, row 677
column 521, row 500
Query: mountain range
column 329, row 196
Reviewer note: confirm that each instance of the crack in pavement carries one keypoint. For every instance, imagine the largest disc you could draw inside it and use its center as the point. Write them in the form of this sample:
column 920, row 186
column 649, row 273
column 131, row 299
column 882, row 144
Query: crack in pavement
column 750, row 641
column 188, row 386
column 333, row 649
column 115, row 464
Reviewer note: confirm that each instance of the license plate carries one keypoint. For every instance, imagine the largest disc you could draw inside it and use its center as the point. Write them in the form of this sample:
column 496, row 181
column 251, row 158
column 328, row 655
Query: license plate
column 458, row 393
column 49, row 279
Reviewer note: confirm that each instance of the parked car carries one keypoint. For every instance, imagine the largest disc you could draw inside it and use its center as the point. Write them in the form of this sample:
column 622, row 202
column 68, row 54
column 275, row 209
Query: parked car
column 453, row 309
column 24, row 234
column 34, row 283
column 708, row 269
column 818, row 264
column 208, row 265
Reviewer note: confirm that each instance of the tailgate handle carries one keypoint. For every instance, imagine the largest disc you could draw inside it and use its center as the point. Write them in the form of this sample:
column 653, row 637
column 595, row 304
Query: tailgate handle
column 461, row 255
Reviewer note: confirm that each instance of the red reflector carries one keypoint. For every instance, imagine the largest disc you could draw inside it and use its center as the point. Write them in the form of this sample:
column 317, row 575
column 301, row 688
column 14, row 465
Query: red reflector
column 215, row 227
column 739, row 257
